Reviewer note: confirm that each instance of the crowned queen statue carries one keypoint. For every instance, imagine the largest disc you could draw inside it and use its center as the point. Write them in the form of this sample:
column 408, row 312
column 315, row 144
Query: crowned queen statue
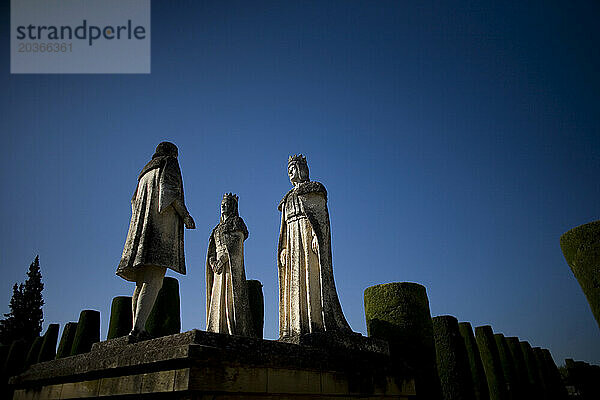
column 227, row 304
column 308, row 301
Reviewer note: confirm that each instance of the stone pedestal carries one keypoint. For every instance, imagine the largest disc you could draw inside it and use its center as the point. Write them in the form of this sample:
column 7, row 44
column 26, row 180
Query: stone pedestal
column 198, row 365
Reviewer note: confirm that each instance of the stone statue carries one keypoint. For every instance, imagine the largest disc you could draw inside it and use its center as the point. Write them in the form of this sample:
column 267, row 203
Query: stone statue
column 227, row 304
column 155, row 238
column 308, row 301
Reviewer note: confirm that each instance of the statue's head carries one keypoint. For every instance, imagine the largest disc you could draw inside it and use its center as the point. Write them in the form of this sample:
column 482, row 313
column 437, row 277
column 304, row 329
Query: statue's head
column 297, row 169
column 229, row 205
column 165, row 149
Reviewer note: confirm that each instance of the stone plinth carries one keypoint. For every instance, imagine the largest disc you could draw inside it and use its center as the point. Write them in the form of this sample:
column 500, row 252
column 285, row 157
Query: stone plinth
column 195, row 364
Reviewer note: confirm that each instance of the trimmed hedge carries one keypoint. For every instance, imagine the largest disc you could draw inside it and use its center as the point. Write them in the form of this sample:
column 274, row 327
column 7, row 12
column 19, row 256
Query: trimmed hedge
column 508, row 367
column 121, row 319
column 535, row 382
column 520, row 367
column 48, row 350
column 15, row 360
column 34, row 351
column 490, row 358
column 477, row 373
column 452, row 359
column 66, row 340
column 399, row 313
column 558, row 389
column 542, row 369
column 581, row 248
column 87, row 333
column 165, row 316
column 257, row 306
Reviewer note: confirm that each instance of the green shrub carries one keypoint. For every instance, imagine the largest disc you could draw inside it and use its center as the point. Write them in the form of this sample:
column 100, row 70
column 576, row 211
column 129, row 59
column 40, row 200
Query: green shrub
column 480, row 385
column 87, row 333
column 121, row 320
column 452, row 359
column 48, row 350
column 165, row 316
column 257, row 306
column 490, row 358
column 66, row 340
column 581, row 248
column 34, row 351
column 399, row 313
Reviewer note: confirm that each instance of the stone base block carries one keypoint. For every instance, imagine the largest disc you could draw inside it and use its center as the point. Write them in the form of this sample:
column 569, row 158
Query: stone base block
column 199, row 365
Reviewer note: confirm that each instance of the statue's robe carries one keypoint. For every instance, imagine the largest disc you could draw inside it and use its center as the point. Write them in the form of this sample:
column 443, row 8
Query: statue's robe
column 308, row 301
column 155, row 234
column 227, row 304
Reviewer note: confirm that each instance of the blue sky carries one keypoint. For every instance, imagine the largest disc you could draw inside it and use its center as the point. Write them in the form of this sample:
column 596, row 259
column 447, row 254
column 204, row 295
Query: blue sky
column 457, row 141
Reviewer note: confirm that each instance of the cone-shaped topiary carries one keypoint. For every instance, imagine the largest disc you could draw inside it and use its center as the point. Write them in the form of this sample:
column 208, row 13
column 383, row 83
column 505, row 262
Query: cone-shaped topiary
column 87, row 333
column 542, row 370
column 452, row 359
column 15, row 360
column 491, row 362
column 477, row 373
column 121, row 319
column 581, row 248
column 525, row 388
column 399, row 313
column 508, row 367
column 532, row 370
column 165, row 317
column 257, row 306
column 66, row 340
column 48, row 350
column 34, row 351
column 557, row 388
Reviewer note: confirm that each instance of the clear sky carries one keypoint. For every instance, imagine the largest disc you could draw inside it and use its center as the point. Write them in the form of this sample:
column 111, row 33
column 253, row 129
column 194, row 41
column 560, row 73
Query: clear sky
column 457, row 141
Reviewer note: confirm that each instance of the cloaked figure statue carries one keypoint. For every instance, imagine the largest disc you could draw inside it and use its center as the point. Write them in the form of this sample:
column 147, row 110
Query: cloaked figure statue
column 155, row 238
column 227, row 304
column 308, row 301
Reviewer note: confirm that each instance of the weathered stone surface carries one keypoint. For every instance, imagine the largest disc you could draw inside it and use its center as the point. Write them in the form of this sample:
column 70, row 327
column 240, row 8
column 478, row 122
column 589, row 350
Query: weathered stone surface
column 197, row 363
column 399, row 313
column 66, row 340
column 257, row 306
column 154, row 241
column 477, row 372
column 525, row 387
column 452, row 359
column 121, row 319
column 308, row 301
column 165, row 318
column 508, row 367
column 87, row 333
column 227, row 302
column 492, row 366
column 581, row 248
column 48, row 350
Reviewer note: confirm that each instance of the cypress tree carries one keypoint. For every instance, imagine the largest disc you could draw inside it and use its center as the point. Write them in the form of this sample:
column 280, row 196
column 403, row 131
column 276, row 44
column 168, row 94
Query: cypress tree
column 24, row 321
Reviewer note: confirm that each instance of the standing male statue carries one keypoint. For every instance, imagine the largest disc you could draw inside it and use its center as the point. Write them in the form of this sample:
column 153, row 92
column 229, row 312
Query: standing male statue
column 227, row 304
column 155, row 238
column 308, row 301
